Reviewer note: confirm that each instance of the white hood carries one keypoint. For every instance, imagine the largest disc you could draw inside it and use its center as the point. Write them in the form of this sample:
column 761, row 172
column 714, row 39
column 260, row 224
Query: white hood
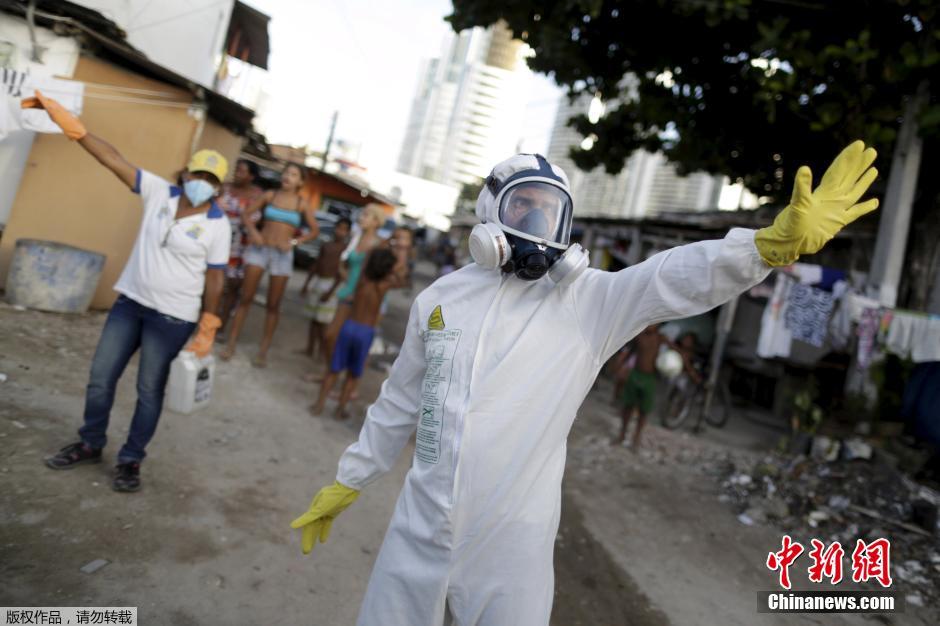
column 515, row 166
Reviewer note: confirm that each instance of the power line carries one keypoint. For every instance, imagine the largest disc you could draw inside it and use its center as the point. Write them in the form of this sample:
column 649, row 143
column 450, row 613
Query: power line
column 130, row 22
column 179, row 15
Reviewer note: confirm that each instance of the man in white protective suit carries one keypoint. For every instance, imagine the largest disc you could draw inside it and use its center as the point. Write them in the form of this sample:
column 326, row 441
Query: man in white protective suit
column 496, row 360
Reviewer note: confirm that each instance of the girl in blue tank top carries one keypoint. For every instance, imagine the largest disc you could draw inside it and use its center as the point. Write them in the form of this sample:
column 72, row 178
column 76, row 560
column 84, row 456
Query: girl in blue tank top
column 370, row 220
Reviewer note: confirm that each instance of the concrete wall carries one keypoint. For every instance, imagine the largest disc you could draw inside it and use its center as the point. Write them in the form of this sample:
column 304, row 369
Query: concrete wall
column 216, row 137
column 66, row 196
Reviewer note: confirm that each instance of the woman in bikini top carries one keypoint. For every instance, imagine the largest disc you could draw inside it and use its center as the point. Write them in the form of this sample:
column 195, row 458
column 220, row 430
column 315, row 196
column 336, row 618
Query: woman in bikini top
column 271, row 249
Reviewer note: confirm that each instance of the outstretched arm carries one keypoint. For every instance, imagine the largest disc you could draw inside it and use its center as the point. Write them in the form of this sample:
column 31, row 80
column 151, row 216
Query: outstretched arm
column 105, row 153
column 613, row 307
column 691, row 279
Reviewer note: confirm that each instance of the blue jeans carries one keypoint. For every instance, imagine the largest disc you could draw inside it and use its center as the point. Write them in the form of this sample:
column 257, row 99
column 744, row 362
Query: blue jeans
column 160, row 337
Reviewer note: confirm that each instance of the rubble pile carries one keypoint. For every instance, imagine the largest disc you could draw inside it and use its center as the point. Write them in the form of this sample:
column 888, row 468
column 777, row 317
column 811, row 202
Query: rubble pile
column 845, row 500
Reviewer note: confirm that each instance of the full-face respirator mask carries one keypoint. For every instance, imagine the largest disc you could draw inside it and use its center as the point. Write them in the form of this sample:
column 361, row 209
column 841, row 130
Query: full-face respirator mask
column 526, row 214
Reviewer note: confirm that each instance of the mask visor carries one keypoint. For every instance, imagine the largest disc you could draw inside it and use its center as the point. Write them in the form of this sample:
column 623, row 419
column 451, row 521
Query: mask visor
column 538, row 211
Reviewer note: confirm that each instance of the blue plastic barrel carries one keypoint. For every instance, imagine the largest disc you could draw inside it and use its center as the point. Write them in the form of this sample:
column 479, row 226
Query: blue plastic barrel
column 52, row 276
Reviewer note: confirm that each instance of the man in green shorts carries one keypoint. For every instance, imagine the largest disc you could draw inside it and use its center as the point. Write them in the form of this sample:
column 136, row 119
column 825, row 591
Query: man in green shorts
column 639, row 391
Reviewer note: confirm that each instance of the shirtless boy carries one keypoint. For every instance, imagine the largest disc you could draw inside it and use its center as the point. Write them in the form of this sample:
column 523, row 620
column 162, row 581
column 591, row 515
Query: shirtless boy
column 321, row 304
column 355, row 336
column 639, row 391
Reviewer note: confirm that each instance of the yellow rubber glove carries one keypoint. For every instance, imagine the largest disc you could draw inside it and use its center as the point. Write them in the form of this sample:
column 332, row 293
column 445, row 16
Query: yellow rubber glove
column 327, row 504
column 814, row 217
column 68, row 122
column 201, row 344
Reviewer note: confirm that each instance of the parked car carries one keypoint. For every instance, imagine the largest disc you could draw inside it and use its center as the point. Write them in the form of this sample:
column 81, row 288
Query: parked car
column 307, row 252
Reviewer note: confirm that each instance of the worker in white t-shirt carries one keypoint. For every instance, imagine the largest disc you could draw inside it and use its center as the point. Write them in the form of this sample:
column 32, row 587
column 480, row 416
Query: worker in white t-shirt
column 170, row 286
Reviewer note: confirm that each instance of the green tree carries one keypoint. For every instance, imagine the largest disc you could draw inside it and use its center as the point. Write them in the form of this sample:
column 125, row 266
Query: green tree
column 747, row 88
column 467, row 200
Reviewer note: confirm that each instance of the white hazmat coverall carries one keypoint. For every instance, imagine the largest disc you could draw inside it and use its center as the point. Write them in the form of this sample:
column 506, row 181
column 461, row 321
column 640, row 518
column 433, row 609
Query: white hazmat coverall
column 491, row 373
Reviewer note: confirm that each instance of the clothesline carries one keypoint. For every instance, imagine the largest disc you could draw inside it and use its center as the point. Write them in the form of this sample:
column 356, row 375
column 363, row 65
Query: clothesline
column 134, row 90
column 916, row 313
column 162, row 103
column 58, row 93
column 92, row 89
column 71, row 94
column 806, row 306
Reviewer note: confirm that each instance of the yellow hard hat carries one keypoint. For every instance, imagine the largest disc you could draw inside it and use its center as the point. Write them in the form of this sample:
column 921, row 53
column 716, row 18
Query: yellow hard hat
column 209, row 161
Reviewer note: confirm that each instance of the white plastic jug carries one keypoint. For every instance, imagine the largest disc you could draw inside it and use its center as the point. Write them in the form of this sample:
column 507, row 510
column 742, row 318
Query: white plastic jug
column 190, row 385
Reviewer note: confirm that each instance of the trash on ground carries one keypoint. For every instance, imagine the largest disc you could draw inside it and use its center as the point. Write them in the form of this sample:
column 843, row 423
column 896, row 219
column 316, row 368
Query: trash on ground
column 94, row 566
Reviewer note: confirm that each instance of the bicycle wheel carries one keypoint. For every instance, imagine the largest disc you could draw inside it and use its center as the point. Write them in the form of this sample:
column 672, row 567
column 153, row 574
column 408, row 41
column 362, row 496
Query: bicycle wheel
column 720, row 410
column 680, row 404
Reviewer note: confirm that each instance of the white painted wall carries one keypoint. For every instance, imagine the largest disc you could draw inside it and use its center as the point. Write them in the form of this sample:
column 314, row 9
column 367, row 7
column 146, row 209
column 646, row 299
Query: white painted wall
column 185, row 36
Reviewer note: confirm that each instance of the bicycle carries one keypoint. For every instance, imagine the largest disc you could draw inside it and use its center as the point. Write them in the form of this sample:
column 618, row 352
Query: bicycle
column 688, row 399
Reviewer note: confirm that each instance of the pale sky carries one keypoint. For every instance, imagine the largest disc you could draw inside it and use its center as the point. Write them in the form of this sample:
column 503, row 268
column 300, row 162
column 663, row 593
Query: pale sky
column 361, row 57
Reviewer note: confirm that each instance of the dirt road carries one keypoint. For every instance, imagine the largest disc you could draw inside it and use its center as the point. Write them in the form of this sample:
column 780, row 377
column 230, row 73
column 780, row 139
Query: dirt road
column 207, row 540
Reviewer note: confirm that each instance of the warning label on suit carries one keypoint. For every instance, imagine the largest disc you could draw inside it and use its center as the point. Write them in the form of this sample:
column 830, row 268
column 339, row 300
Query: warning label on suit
column 439, row 349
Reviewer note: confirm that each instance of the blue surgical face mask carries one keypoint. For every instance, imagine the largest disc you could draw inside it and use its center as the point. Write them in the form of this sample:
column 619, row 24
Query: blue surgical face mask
column 198, row 191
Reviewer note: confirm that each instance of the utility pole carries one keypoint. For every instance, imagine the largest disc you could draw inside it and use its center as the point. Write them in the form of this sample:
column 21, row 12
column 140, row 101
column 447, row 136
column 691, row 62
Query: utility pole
column 894, row 226
column 723, row 329
column 329, row 141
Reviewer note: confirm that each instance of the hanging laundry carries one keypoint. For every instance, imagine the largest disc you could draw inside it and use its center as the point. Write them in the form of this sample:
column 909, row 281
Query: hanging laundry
column 764, row 289
column 806, row 273
column 807, row 314
column 840, row 325
column 839, row 289
column 775, row 338
column 925, row 345
column 18, row 85
column 869, row 322
column 900, row 335
column 69, row 93
column 847, row 313
column 885, row 324
column 856, row 304
column 829, row 278
column 817, row 276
